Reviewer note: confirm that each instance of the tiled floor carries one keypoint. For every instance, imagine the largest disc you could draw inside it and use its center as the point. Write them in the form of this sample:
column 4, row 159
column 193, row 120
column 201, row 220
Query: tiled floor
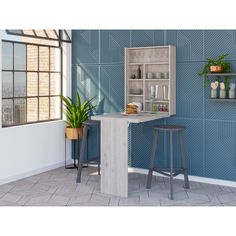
column 58, row 188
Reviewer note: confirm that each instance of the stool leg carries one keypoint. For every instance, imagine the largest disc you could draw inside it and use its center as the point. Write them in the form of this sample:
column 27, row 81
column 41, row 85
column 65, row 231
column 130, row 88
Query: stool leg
column 183, row 160
column 171, row 165
column 81, row 156
column 153, row 156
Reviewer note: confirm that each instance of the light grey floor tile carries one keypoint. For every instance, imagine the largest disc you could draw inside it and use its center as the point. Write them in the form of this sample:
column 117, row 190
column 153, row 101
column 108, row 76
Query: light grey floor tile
column 59, row 188
column 100, row 199
column 6, row 187
column 2, row 194
column 114, row 201
column 11, row 197
column 38, row 199
column 226, row 197
column 131, row 201
column 198, row 196
column 180, row 195
column 79, row 199
column 85, row 188
column 60, row 200
column 25, row 187
column 232, row 203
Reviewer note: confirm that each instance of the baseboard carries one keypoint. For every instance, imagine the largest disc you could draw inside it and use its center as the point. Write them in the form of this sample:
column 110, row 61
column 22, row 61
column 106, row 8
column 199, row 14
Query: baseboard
column 30, row 173
column 191, row 177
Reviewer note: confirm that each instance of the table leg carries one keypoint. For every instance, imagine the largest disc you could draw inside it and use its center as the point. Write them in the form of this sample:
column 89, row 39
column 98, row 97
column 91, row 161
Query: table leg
column 114, row 157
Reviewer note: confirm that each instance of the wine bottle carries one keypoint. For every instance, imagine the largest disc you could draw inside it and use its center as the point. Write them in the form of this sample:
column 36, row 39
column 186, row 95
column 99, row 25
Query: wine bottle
column 139, row 73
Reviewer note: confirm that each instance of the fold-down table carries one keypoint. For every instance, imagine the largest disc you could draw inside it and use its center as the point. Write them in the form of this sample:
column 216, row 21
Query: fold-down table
column 114, row 149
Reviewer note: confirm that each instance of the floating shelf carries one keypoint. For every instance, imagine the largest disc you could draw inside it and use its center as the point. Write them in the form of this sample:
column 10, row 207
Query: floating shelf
column 221, row 74
column 222, row 99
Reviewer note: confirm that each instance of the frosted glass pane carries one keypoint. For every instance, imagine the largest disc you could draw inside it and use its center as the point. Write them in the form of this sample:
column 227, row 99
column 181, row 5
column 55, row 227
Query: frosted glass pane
column 32, row 58
column 43, row 84
column 44, row 108
column 32, row 109
column 7, row 84
column 43, row 58
column 55, row 108
column 32, row 84
column 55, row 84
column 7, row 56
column 19, row 84
column 19, row 56
column 19, row 111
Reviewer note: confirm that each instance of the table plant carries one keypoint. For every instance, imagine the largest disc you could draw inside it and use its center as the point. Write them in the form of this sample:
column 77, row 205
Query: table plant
column 76, row 113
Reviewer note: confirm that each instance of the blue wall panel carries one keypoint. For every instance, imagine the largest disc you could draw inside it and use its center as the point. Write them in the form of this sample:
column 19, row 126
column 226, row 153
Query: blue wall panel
column 189, row 44
column 189, row 85
column 86, row 45
column 113, row 43
column 98, row 69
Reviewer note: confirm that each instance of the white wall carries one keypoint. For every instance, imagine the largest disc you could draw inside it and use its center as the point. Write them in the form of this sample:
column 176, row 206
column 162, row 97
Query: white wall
column 34, row 148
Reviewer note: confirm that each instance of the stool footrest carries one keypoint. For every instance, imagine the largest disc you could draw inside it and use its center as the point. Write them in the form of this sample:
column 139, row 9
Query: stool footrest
column 164, row 170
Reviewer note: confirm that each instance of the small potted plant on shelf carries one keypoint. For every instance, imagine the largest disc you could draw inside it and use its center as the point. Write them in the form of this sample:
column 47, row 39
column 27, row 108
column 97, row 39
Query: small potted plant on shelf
column 76, row 113
column 217, row 66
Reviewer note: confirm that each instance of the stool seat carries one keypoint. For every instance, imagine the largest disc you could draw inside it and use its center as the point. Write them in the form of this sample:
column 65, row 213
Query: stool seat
column 169, row 127
column 91, row 122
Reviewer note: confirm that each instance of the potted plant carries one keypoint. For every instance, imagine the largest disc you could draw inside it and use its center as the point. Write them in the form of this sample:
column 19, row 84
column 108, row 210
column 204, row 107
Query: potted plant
column 76, row 113
column 217, row 66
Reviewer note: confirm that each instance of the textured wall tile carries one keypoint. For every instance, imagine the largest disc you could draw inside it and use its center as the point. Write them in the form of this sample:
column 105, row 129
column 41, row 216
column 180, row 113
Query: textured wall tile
column 140, row 137
column 193, row 138
column 219, row 42
column 113, row 43
column 85, row 46
column 85, row 80
column 143, row 38
column 189, row 90
column 112, row 87
column 220, row 150
column 189, row 44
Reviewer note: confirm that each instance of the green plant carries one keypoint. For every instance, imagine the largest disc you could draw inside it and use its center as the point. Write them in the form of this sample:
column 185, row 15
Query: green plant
column 76, row 113
column 219, row 62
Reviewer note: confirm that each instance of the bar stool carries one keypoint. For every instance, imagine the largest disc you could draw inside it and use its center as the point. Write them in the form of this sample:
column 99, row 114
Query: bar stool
column 87, row 126
column 172, row 172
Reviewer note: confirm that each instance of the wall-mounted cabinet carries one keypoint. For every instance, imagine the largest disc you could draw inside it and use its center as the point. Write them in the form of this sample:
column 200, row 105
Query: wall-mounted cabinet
column 150, row 78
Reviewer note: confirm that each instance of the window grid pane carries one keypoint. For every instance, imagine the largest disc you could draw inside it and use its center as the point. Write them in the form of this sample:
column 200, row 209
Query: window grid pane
column 17, row 86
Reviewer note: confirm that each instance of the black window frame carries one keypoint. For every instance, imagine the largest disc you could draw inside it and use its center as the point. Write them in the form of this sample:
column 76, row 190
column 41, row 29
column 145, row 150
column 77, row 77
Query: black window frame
column 38, row 71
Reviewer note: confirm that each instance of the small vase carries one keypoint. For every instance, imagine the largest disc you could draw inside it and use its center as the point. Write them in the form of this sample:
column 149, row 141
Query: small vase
column 231, row 93
column 213, row 93
column 222, row 93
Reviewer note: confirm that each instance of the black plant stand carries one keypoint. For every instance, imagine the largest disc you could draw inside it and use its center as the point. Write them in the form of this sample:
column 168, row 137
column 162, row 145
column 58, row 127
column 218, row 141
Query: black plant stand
column 75, row 143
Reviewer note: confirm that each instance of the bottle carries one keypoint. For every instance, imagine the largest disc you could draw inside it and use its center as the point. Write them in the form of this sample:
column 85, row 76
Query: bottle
column 139, row 73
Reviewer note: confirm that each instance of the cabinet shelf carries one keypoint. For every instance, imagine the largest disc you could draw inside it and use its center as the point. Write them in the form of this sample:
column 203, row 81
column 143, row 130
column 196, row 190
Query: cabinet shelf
column 221, row 74
column 222, row 99
column 158, row 75
column 135, row 95
column 156, row 80
column 161, row 101
column 148, row 63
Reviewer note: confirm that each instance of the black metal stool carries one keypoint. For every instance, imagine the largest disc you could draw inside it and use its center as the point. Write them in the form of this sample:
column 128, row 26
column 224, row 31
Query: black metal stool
column 172, row 172
column 87, row 125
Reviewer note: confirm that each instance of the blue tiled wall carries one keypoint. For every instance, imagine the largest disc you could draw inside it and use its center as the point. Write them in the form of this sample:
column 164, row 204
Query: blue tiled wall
column 98, row 69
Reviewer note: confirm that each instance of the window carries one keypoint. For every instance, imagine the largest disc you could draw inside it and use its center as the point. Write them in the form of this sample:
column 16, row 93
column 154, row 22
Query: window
column 31, row 82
